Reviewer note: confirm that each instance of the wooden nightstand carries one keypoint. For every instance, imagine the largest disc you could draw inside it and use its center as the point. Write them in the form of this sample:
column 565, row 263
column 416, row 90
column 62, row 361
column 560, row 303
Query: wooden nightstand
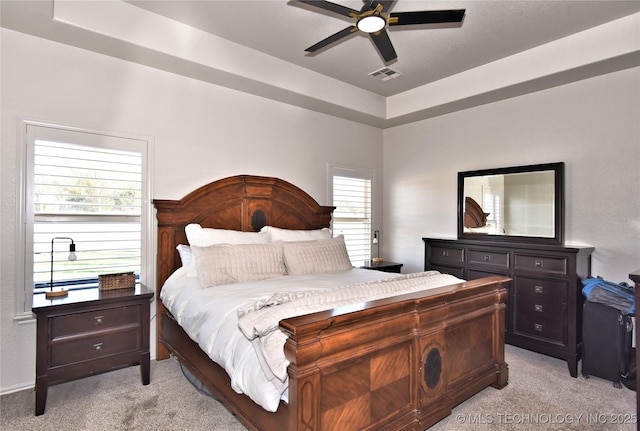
column 89, row 332
column 383, row 266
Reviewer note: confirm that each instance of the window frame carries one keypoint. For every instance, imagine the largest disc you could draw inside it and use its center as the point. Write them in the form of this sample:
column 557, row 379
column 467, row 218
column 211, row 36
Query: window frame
column 25, row 215
column 358, row 173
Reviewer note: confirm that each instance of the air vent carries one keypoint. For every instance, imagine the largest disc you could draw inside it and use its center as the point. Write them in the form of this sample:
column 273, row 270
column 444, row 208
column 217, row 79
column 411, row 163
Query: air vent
column 386, row 73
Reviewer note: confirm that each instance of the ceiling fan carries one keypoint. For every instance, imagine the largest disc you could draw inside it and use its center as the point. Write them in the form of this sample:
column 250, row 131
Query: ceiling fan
column 373, row 19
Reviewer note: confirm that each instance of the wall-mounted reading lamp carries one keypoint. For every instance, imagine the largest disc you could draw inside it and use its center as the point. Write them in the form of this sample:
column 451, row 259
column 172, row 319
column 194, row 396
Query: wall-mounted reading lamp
column 72, row 256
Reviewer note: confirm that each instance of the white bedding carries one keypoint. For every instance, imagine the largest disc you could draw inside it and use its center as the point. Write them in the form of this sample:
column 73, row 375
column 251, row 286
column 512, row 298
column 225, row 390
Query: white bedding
column 210, row 317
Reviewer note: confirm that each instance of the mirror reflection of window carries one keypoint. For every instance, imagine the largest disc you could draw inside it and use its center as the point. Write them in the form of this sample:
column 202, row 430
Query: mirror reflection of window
column 491, row 204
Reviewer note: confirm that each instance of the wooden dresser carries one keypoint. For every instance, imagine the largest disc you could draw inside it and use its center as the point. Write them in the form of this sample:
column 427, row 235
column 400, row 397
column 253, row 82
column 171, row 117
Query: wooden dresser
column 88, row 332
column 544, row 306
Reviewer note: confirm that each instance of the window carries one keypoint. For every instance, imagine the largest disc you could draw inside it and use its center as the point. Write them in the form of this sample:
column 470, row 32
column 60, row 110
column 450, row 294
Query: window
column 89, row 188
column 351, row 195
column 491, row 203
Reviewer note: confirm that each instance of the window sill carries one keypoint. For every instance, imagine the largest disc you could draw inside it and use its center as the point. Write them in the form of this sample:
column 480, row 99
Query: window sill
column 26, row 318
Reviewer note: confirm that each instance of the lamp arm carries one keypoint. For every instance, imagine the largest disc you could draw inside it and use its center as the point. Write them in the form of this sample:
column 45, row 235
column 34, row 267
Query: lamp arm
column 72, row 249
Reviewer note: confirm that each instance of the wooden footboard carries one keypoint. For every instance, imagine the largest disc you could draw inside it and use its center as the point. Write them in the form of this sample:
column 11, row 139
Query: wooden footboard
column 396, row 364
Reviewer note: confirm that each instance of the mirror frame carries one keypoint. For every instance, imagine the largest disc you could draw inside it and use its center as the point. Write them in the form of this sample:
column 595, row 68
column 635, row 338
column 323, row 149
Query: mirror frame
column 557, row 239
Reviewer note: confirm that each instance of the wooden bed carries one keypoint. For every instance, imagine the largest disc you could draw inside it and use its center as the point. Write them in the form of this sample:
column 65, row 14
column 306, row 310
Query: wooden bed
column 395, row 364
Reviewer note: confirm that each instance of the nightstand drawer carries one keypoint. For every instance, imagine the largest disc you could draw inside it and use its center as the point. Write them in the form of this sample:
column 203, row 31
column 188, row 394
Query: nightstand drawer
column 484, row 257
column 547, row 264
column 79, row 323
column 70, row 350
column 446, row 254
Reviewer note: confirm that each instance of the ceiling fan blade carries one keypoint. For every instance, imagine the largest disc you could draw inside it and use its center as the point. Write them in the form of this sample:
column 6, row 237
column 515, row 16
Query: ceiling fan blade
column 331, row 7
column 372, row 4
column 383, row 43
column 333, row 38
column 427, row 17
column 386, row 4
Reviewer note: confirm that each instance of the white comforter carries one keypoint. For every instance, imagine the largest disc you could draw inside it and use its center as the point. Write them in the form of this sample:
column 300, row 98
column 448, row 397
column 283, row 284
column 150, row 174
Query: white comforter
column 210, row 317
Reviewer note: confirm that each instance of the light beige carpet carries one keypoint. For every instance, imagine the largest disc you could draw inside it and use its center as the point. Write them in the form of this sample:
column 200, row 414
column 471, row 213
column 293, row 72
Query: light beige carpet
column 540, row 396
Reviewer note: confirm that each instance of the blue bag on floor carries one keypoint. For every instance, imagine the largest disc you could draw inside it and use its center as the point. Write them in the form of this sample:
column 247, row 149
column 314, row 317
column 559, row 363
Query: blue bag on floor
column 620, row 296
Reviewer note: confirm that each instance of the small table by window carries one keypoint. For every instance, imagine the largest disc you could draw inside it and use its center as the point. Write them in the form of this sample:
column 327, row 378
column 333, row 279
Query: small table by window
column 384, row 266
column 90, row 331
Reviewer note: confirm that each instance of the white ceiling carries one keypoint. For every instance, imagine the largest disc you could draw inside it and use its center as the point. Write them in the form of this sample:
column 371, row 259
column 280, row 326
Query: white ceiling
column 490, row 31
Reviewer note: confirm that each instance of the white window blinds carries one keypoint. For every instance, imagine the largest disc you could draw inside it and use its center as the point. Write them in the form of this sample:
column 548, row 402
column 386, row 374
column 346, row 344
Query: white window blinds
column 92, row 194
column 352, row 216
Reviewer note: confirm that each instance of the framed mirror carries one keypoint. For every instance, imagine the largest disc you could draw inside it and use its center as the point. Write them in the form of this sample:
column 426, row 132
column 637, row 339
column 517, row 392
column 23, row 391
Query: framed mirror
column 521, row 203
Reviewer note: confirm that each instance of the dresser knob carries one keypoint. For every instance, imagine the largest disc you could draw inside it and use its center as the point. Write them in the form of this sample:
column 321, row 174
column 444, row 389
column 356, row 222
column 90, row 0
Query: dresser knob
column 538, row 263
column 445, row 253
column 538, row 308
column 97, row 347
column 487, row 258
column 537, row 289
column 537, row 327
column 98, row 320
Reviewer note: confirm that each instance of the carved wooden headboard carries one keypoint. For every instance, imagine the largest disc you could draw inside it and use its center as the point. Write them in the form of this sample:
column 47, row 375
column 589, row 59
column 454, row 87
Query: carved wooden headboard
column 243, row 202
column 474, row 216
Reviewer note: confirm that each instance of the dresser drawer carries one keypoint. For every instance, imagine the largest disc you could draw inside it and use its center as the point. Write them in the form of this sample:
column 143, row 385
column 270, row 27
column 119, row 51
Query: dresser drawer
column 73, row 349
column 544, row 319
column 546, row 264
column 443, row 254
column 539, row 289
column 489, row 257
column 91, row 321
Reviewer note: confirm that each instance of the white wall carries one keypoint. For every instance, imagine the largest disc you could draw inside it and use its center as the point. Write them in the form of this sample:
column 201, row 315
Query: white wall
column 202, row 132
column 592, row 125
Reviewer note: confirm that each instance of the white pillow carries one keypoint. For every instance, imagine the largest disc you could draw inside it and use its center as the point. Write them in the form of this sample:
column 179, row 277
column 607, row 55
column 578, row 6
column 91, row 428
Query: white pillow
column 287, row 235
column 234, row 263
column 203, row 237
column 185, row 254
column 317, row 256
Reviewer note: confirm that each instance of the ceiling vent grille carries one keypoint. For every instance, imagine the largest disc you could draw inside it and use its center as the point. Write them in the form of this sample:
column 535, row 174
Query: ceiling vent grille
column 386, row 73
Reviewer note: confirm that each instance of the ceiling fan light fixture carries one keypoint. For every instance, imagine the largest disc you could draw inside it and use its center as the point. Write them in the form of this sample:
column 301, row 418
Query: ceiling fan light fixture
column 371, row 23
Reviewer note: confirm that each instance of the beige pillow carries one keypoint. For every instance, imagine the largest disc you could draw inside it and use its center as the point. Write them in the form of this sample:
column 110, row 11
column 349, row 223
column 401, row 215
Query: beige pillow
column 317, row 256
column 235, row 263
column 203, row 237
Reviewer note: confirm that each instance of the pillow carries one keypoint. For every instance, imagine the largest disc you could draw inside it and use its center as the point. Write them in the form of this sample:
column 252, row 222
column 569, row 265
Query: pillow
column 287, row 235
column 203, row 237
column 185, row 254
column 234, row 263
column 317, row 256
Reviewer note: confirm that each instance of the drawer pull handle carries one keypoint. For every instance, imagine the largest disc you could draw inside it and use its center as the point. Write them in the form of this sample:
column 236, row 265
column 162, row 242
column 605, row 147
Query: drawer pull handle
column 538, row 308
column 487, row 258
column 538, row 289
column 445, row 253
column 98, row 320
column 537, row 327
column 538, row 263
column 97, row 347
